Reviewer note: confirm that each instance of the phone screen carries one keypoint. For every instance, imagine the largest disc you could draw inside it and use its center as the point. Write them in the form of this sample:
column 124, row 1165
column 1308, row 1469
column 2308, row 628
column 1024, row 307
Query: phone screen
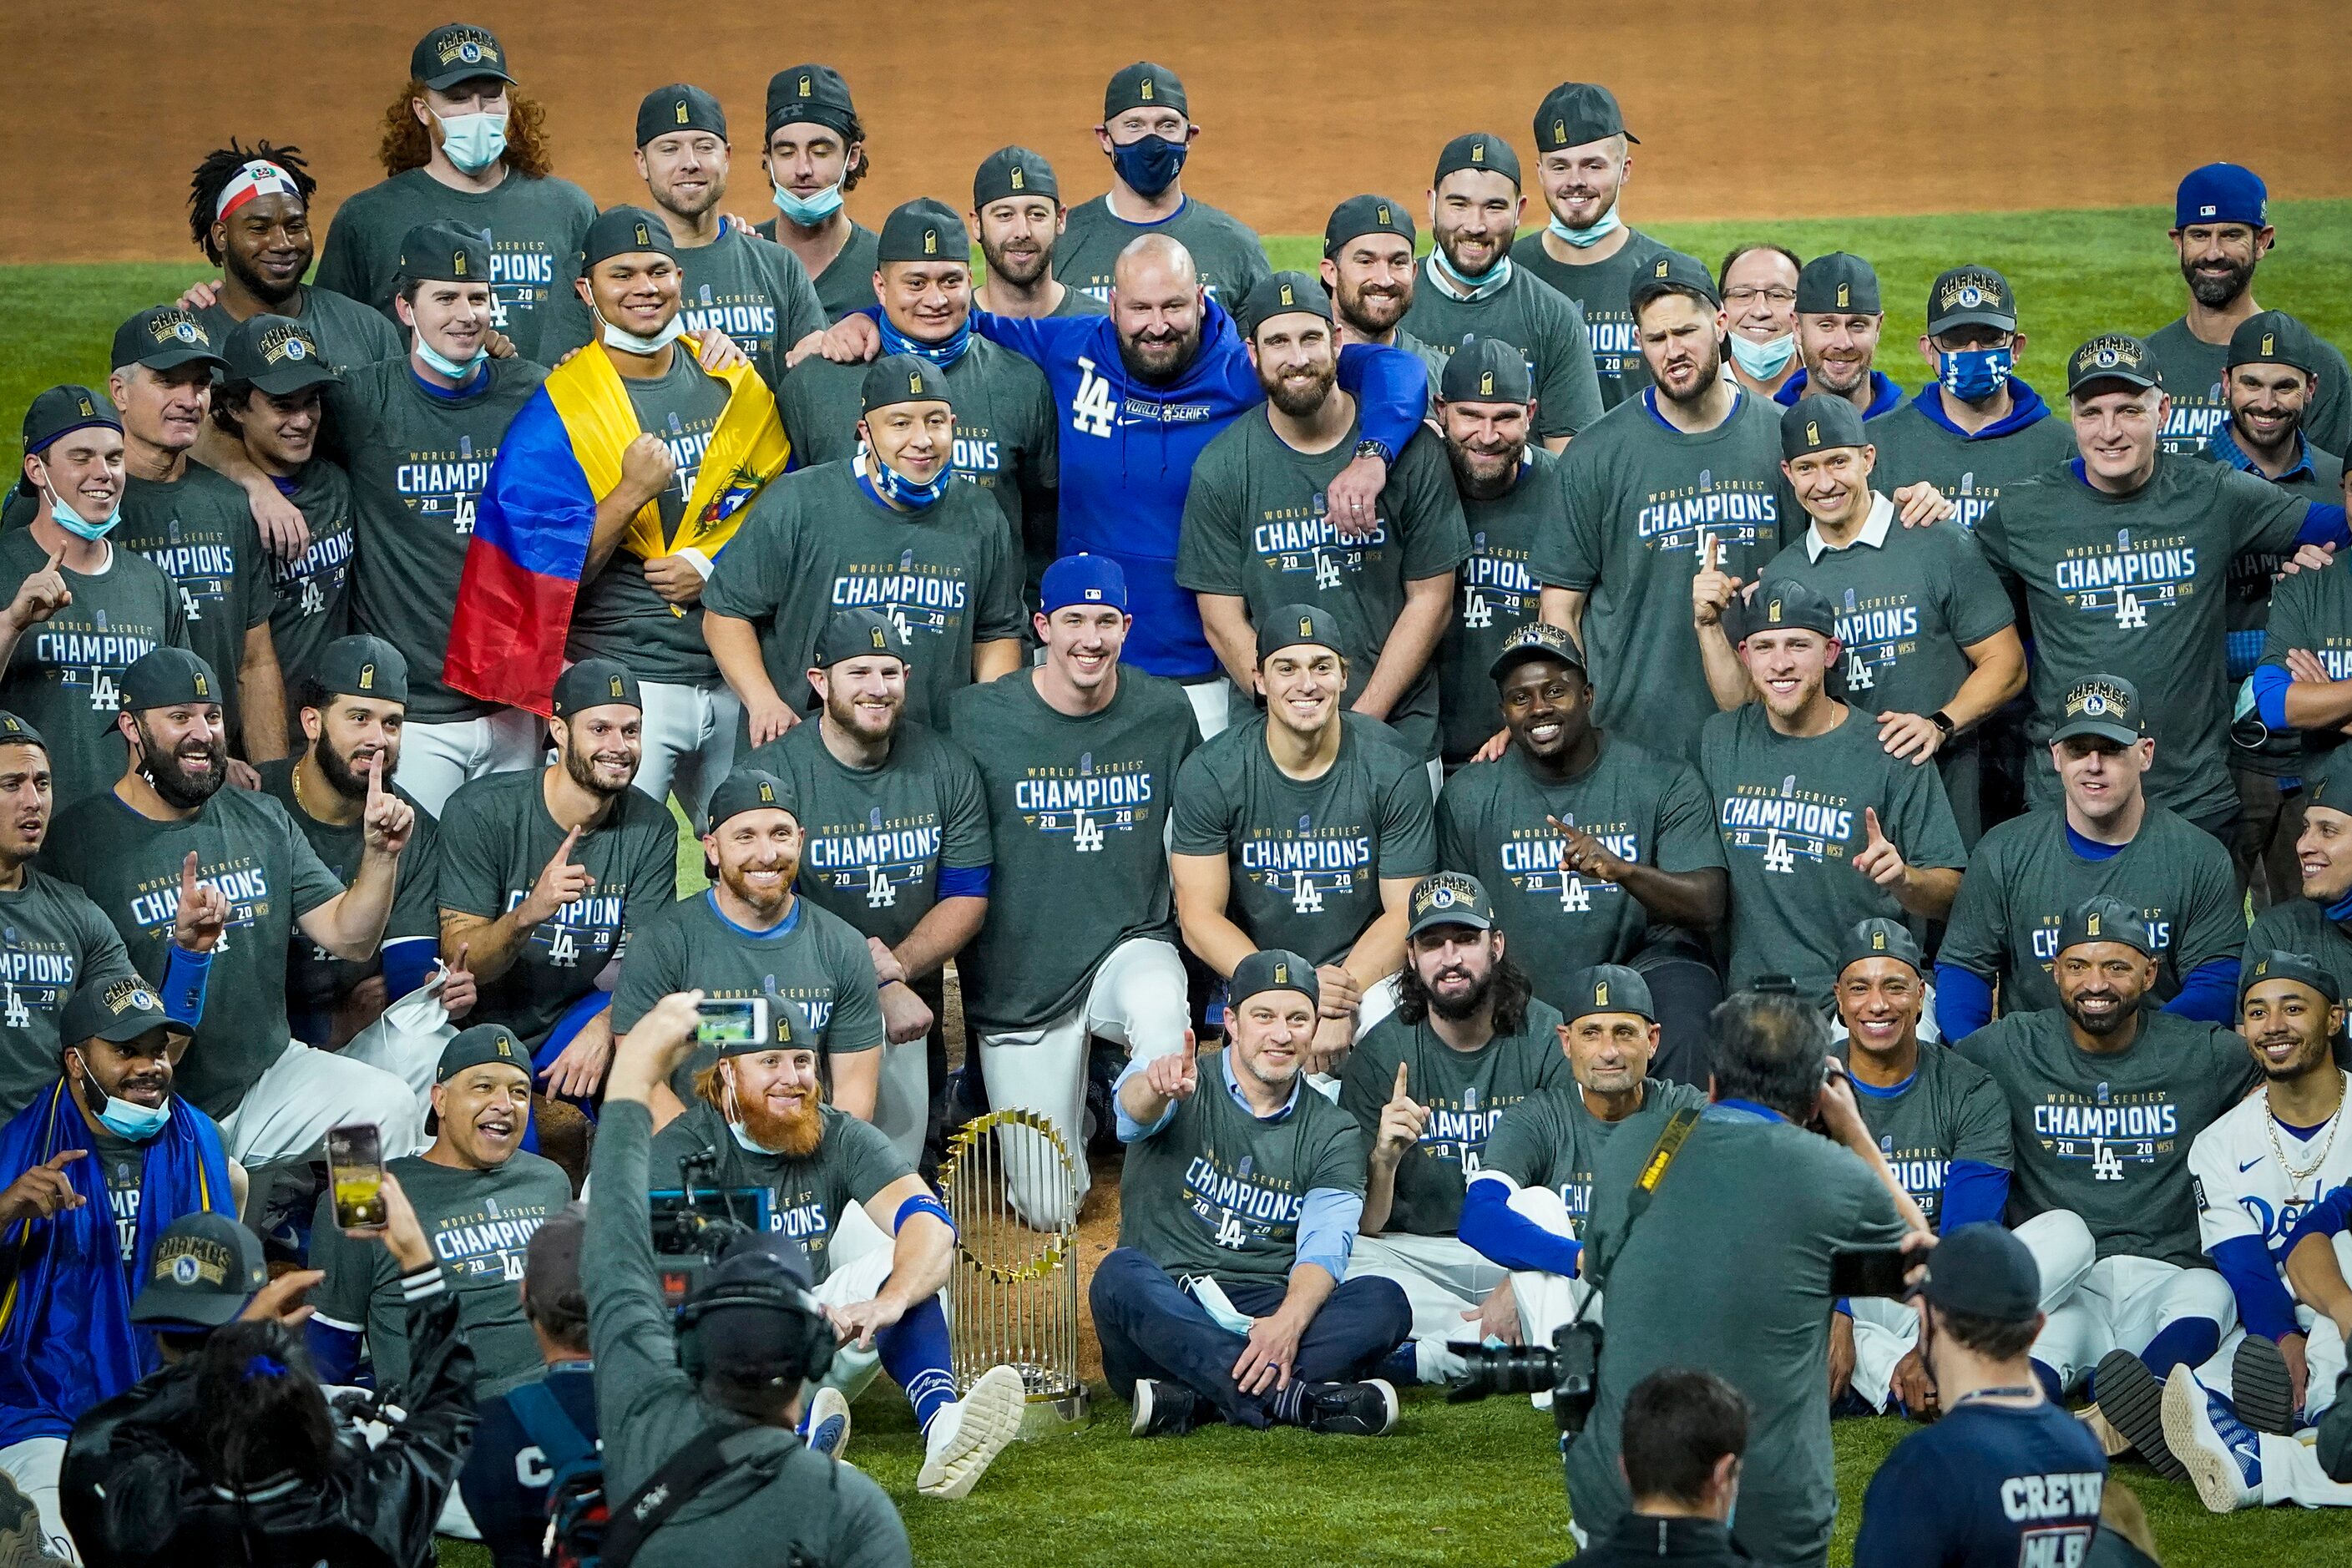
column 355, row 1168
column 1869, row 1271
column 739, row 1020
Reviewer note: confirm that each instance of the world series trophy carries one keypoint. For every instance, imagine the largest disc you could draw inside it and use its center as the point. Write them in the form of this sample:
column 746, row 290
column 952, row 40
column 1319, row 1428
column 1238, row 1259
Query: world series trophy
column 1012, row 1299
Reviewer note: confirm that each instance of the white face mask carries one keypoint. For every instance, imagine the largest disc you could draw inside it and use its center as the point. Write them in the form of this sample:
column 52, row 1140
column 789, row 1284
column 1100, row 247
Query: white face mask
column 473, row 141
column 629, row 342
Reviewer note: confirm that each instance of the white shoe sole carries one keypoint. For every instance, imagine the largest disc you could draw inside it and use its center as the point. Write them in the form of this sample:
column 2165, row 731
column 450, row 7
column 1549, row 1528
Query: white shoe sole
column 829, row 1404
column 2215, row 1475
column 989, row 1417
column 1389, row 1397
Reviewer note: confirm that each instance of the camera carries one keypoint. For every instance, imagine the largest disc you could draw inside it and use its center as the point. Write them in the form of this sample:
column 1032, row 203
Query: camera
column 695, row 1223
column 1568, row 1371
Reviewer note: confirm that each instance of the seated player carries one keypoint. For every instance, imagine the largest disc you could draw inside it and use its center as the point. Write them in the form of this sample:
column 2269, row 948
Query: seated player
column 2318, row 924
column 1527, row 1206
column 2105, row 1098
column 480, row 1195
column 1943, row 1127
column 879, row 1245
column 1468, row 1041
column 1238, row 1207
column 1306, row 830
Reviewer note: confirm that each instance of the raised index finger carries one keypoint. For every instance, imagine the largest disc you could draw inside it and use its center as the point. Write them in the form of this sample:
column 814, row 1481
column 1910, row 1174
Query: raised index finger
column 188, row 877
column 1403, row 1068
column 55, row 556
column 64, row 1157
column 571, row 842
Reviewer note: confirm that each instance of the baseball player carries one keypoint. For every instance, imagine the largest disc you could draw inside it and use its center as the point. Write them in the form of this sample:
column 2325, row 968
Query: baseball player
column 814, row 155
column 1837, row 322
column 2259, row 1172
column 2221, row 232
column 895, row 841
column 2110, row 837
column 1597, row 850
column 1931, row 644
column 1259, row 535
column 1228, row 1294
column 1469, row 1042
column 2312, row 923
column 418, row 435
column 1367, row 268
column 1078, row 759
column 1822, row 826
column 1471, row 286
column 1305, row 829
column 1943, row 1128
column 1758, row 285
column 2080, row 543
column 463, row 144
column 1586, row 250
column 1147, row 131
column 2105, row 1100
column 1018, row 218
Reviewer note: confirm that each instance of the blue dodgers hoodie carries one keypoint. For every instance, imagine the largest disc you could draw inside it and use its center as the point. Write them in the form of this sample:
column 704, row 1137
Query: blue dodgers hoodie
column 1885, row 397
column 1128, row 448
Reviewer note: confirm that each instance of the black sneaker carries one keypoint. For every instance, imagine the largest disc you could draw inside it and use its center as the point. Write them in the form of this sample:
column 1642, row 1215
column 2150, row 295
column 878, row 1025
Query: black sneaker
column 2260, row 1388
column 1164, row 1409
column 2132, row 1399
column 1350, row 1409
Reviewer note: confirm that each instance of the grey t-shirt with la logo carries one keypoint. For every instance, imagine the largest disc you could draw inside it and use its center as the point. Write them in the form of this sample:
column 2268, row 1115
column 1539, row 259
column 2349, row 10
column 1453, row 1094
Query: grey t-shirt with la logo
column 806, row 1198
column 199, row 529
column 1970, row 471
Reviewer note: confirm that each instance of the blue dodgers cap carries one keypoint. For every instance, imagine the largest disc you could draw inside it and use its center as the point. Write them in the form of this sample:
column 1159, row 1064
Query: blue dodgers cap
column 2221, row 192
column 1083, row 579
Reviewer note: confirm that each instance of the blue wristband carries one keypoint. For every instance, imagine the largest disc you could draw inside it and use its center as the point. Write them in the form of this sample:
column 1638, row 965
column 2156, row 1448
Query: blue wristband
column 921, row 1202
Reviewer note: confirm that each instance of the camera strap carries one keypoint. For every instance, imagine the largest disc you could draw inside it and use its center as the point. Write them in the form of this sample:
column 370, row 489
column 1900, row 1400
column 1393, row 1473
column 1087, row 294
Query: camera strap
column 1645, row 1186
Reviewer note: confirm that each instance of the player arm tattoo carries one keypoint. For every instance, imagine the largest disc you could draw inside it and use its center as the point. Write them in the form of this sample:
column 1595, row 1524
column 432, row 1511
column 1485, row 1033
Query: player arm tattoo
column 1564, row 608
column 491, row 946
column 1428, row 605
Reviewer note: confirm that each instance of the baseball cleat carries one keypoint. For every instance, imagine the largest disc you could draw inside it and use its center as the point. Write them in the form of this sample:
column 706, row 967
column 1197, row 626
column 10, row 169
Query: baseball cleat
column 828, row 1422
column 1350, row 1409
column 2260, row 1387
column 964, row 1439
column 2222, row 1455
column 1164, row 1409
column 2133, row 1402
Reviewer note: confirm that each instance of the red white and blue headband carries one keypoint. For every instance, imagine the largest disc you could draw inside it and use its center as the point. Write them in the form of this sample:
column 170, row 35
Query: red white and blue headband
column 259, row 178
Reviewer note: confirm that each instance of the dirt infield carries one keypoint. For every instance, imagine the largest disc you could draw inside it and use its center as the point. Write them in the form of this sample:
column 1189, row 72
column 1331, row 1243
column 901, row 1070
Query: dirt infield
column 1747, row 109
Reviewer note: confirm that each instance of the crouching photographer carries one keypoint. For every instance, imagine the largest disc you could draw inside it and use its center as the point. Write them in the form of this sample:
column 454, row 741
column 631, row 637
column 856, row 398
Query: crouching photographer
column 701, row 1464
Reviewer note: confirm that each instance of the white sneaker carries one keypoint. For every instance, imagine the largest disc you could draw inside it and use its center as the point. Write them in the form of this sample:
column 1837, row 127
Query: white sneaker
column 964, row 1439
column 828, row 1422
column 2222, row 1453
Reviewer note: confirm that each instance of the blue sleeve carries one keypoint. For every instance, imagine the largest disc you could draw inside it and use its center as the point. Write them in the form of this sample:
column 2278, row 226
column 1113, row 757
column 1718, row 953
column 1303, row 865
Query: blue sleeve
column 335, row 1352
column 963, row 881
column 407, row 964
column 1042, row 339
column 1496, row 1231
column 2263, row 1302
column 1130, row 1131
column 184, row 977
column 2330, row 1217
column 1327, row 1219
column 1963, row 1000
column 2271, row 681
column 2208, row 993
column 1973, row 1191
column 2324, row 524
column 1903, row 1523
column 1392, row 391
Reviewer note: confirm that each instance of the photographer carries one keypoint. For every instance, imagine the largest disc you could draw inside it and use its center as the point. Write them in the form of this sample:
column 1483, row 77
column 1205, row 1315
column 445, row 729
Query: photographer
column 1723, row 1260
column 698, row 1436
column 1684, row 1434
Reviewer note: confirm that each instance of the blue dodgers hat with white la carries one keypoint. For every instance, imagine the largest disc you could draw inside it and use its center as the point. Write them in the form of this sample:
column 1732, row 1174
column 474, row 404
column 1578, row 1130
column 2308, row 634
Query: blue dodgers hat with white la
column 2221, row 192
column 1083, row 579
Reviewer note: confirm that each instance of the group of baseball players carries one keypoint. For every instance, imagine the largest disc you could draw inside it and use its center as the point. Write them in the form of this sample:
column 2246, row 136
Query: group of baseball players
column 1440, row 678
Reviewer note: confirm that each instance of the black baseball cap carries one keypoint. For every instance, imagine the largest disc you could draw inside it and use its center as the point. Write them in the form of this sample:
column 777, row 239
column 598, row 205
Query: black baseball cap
column 15, row 731
column 903, row 378
column 1982, row 1270
column 1481, row 149
column 164, row 676
column 1785, row 603
column 362, row 666
column 1449, row 898
column 595, row 683
column 812, row 94
column 2105, row 918
column 1538, row 640
column 118, row 1010
column 1014, row 172
column 788, row 1030
column 551, row 1264
column 1486, row 370
column 625, row 231
column 1294, row 624
column 1576, row 113
column 1970, row 296
column 2112, row 357
column 1273, row 969
column 62, row 410
column 205, row 1268
column 753, row 1340
column 1673, row 273
column 923, row 230
column 2275, row 965
column 748, row 789
column 278, row 355
column 1818, row 423
column 1365, row 215
column 1144, row 85
column 1840, row 283
column 680, row 106
column 2327, row 779
column 859, row 633
column 1880, row 938
column 1609, row 988
column 2274, row 336
column 445, row 252
column 1283, row 294
column 165, row 337
column 477, row 1046
column 2104, row 705
column 455, row 52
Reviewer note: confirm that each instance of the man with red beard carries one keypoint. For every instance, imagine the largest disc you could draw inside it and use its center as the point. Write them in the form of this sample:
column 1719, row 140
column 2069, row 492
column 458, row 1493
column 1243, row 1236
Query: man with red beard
column 879, row 1244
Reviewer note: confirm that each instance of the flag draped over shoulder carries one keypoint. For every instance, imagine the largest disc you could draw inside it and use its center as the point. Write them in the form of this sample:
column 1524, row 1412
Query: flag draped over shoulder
column 538, row 511
column 67, row 1341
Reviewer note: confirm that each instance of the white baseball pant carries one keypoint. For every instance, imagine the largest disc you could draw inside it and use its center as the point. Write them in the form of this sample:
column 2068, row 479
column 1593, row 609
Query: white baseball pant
column 689, row 736
column 2113, row 1303
column 434, row 759
column 307, row 1091
column 1443, row 1278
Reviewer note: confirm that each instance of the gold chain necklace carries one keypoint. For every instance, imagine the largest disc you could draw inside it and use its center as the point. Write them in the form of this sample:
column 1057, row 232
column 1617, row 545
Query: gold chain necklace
column 2278, row 1150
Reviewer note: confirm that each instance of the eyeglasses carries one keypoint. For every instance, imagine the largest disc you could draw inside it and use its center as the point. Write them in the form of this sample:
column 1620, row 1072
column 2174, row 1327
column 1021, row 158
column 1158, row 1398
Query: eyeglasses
column 1780, row 298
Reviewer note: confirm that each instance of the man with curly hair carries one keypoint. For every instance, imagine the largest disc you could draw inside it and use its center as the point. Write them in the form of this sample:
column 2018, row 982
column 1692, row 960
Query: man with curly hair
column 463, row 144
column 814, row 155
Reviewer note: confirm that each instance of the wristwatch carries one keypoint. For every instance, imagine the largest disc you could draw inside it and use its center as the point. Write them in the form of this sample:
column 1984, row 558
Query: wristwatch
column 1943, row 721
column 1368, row 448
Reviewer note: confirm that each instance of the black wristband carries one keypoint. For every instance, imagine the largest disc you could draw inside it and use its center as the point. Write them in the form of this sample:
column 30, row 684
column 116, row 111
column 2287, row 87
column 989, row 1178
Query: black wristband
column 1943, row 721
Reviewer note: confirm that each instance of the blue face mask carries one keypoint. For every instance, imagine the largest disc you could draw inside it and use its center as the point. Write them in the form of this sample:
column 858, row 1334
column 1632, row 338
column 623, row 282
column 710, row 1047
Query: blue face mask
column 1609, row 223
column 1763, row 361
column 131, row 1122
column 64, row 517
column 473, row 141
column 1150, row 165
column 809, row 210
column 896, row 488
column 458, row 370
column 1974, row 375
